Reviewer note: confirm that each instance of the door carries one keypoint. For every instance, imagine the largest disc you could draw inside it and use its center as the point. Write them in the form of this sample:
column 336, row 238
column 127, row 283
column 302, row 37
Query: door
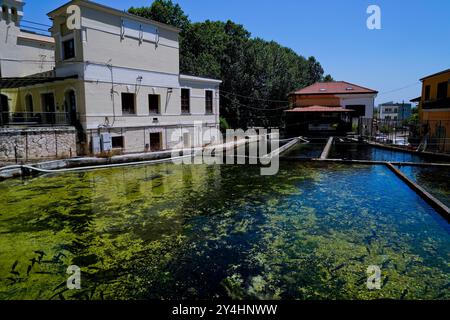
column 48, row 107
column 71, row 106
column 155, row 141
column 4, row 109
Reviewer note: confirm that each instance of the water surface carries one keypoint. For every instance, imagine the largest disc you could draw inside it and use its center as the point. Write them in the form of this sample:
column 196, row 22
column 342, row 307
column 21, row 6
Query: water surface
column 435, row 180
column 202, row 232
column 357, row 151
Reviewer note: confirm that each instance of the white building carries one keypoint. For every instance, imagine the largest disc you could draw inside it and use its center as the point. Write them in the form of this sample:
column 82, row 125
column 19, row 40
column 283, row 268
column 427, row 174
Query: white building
column 395, row 111
column 22, row 53
column 118, row 77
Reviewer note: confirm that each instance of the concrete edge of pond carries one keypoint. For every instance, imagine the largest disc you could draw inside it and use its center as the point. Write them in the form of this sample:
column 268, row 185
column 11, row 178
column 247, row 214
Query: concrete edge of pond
column 435, row 203
column 94, row 163
column 327, row 149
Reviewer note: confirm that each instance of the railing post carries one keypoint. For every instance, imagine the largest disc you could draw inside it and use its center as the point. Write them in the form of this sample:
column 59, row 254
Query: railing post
column 26, row 146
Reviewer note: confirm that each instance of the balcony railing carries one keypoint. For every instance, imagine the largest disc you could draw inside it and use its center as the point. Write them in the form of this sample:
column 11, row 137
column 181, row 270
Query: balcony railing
column 35, row 118
column 437, row 104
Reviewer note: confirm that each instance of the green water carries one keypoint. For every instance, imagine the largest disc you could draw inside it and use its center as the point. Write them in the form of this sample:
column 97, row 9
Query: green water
column 203, row 232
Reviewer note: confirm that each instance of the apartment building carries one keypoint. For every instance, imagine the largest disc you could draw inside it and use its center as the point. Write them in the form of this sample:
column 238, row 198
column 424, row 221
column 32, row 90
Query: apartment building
column 117, row 81
column 395, row 111
column 434, row 109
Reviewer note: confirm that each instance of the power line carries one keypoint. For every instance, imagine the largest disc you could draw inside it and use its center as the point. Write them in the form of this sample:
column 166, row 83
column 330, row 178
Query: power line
column 251, row 98
column 399, row 89
column 33, row 28
column 255, row 108
column 36, row 23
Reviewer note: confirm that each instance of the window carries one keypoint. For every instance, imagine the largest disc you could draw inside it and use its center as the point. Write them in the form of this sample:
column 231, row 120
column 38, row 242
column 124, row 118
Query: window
column 185, row 101
column 14, row 16
column 442, row 90
column 128, row 103
column 5, row 12
column 155, row 141
column 209, row 102
column 154, row 103
column 68, row 49
column 427, row 93
column 117, row 142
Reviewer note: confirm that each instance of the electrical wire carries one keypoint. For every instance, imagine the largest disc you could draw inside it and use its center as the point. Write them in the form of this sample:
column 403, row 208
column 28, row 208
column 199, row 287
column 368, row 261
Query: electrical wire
column 399, row 89
column 251, row 98
column 254, row 108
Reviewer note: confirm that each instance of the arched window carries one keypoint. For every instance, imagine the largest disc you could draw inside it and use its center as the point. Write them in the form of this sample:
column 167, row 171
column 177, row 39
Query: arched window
column 14, row 16
column 4, row 12
column 29, row 104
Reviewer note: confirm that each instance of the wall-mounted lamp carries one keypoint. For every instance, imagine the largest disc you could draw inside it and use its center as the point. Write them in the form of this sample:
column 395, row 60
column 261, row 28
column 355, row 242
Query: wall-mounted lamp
column 169, row 90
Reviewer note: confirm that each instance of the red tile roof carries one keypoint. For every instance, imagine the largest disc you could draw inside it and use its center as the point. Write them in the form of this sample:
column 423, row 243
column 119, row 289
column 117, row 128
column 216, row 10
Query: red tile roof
column 319, row 109
column 335, row 87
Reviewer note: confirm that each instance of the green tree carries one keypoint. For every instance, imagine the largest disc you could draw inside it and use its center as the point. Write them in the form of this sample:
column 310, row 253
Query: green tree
column 327, row 78
column 164, row 11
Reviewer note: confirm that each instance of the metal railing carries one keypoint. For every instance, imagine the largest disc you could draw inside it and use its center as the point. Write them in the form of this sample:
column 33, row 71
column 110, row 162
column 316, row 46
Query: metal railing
column 35, row 118
column 426, row 135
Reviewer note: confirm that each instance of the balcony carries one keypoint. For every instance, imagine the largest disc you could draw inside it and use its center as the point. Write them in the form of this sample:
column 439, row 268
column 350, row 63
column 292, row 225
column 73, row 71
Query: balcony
column 436, row 104
column 35, row 119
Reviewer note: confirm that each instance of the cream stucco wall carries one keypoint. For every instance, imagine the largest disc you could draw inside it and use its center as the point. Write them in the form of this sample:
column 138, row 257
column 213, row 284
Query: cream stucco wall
column 22, row 53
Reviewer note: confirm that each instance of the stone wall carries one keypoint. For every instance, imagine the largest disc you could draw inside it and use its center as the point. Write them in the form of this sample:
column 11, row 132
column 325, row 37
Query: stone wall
column 37, row 143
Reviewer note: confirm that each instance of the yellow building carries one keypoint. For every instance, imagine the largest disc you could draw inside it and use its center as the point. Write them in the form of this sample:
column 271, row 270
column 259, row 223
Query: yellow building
column 434, row 110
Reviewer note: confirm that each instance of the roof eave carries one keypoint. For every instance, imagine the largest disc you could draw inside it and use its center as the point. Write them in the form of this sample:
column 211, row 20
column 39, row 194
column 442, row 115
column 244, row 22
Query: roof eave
column 91, row 4
column 435, row 74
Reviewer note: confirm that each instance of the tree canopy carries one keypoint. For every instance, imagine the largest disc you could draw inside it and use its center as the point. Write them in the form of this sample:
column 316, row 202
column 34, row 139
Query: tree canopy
column 257, row 75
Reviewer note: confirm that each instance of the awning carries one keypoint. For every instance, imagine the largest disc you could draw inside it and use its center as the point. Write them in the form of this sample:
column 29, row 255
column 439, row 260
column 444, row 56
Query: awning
column 11, row 83
column 418, row 99
column 320, row 109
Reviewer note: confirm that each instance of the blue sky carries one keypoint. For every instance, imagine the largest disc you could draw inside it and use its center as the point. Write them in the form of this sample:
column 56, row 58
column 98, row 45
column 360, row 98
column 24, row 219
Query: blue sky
column 413, row 42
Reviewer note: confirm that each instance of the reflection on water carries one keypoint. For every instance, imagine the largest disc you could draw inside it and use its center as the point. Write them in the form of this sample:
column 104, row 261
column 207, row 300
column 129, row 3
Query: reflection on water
column 435, row 180
column 307, row 150
column 166, row 231
column 357, row 151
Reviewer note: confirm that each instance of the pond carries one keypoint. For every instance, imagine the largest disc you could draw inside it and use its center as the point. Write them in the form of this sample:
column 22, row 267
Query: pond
column 310, row 150
column 206, row 232
column 436, row 180
column 358, row 151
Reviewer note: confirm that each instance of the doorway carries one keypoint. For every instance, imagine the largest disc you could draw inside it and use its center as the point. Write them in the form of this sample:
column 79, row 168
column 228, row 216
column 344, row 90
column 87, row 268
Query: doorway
column 156, row 141
column 4, row 109
column 70, row 105
column 48, row 107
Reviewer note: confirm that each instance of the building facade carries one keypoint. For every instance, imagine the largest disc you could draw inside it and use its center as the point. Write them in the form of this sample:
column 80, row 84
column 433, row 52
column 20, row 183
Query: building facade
column 395, row 111
column 22, row 53
column 434, row 109
column 117, row 81
column 329, row 107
